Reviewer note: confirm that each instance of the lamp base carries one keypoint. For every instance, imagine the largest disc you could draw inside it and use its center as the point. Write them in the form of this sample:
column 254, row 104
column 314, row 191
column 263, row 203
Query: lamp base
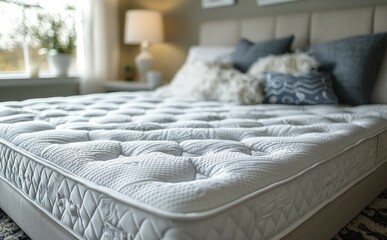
column 144, row 61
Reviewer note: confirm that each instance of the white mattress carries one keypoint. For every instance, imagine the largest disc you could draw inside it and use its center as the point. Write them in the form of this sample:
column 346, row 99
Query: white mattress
column 134, row 166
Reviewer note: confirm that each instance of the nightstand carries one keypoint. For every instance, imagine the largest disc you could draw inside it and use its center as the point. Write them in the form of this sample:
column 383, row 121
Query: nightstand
column 116, row 86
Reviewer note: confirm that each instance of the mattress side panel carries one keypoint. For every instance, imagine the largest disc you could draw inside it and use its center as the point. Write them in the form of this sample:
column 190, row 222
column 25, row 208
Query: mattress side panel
column 382, row 148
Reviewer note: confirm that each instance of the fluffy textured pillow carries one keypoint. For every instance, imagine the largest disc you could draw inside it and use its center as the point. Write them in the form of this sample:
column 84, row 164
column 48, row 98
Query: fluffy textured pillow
column 210, row 54
column 309, row 89
column 247, row 52
column 212, row 81
column 292, row 63
column 354, row 62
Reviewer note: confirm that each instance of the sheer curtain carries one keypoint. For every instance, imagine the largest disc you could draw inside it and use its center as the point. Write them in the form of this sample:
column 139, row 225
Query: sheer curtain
column 99, row 49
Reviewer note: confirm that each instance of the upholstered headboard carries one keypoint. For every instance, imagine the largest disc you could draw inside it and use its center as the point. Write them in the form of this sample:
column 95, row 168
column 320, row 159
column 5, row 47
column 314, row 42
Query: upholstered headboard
column 308, row 28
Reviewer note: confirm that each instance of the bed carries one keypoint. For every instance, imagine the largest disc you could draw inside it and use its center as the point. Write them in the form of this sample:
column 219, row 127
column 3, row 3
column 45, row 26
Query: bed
column 137, row 166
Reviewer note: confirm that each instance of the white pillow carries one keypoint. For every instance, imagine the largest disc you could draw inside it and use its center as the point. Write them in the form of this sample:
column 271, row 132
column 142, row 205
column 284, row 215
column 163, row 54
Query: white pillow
column 292, row 63
column 210, row 54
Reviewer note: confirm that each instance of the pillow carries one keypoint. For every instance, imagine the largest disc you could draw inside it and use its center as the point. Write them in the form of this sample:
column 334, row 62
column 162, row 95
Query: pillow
column 212, row 81
column 354, row 62
column 247, row 52
column 308, row 89
column 292, row 63
column 210, row 54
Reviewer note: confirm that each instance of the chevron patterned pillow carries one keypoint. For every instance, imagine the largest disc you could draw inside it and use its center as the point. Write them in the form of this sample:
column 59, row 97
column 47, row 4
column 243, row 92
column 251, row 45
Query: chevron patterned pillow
column 308, row 89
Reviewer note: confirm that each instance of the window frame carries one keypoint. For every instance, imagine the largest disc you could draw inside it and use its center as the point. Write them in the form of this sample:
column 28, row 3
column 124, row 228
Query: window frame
column 24, row 73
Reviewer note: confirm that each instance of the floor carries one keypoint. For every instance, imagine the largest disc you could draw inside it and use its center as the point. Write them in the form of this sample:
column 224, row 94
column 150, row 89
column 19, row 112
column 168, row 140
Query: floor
column 370, row 224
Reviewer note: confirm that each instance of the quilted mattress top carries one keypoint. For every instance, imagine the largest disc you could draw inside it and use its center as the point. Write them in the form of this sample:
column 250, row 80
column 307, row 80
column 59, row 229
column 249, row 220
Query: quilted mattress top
column 177, row 156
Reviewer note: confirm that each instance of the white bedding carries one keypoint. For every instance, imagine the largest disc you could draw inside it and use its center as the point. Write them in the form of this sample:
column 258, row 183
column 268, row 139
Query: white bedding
column 136, row 166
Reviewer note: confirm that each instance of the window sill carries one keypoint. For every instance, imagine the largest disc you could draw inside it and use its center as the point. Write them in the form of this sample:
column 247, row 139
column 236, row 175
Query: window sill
column 24, row 80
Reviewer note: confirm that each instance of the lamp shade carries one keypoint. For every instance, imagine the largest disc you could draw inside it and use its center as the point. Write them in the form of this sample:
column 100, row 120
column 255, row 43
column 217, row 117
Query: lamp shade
column 143, row 25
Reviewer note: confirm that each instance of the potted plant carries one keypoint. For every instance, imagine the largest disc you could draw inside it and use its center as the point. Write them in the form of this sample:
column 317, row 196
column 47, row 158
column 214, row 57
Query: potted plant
column 56, row 38
column 128, row 72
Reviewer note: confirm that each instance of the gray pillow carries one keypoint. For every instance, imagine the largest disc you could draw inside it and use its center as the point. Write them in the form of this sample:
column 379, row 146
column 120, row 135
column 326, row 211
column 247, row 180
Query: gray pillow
column 307, row 89
column 354, row 62
column 246, row 52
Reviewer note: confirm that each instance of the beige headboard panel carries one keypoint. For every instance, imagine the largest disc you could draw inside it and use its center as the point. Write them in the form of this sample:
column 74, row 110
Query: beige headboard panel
column 308, row 28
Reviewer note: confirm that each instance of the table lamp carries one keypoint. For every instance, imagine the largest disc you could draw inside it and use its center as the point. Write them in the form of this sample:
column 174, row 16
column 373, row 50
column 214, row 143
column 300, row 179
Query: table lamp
column 143, row 27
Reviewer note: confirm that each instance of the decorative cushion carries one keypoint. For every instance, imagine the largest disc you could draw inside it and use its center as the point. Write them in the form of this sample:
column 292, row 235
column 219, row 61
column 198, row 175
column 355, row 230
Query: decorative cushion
column 308, row 89
column 354, row 62
column 247, row 52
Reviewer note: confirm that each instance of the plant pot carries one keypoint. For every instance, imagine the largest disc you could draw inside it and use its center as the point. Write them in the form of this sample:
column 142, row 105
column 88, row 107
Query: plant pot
column 59, row 64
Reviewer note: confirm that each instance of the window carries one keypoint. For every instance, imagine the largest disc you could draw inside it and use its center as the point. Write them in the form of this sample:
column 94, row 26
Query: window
column 20, row 19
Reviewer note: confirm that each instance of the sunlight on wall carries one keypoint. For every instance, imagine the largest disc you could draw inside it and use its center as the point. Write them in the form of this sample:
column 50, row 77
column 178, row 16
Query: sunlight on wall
column 167, row 67
column 163, row 6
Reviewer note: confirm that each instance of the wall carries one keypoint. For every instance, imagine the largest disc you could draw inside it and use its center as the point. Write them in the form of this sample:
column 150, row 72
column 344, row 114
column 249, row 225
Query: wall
column 183, row 18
